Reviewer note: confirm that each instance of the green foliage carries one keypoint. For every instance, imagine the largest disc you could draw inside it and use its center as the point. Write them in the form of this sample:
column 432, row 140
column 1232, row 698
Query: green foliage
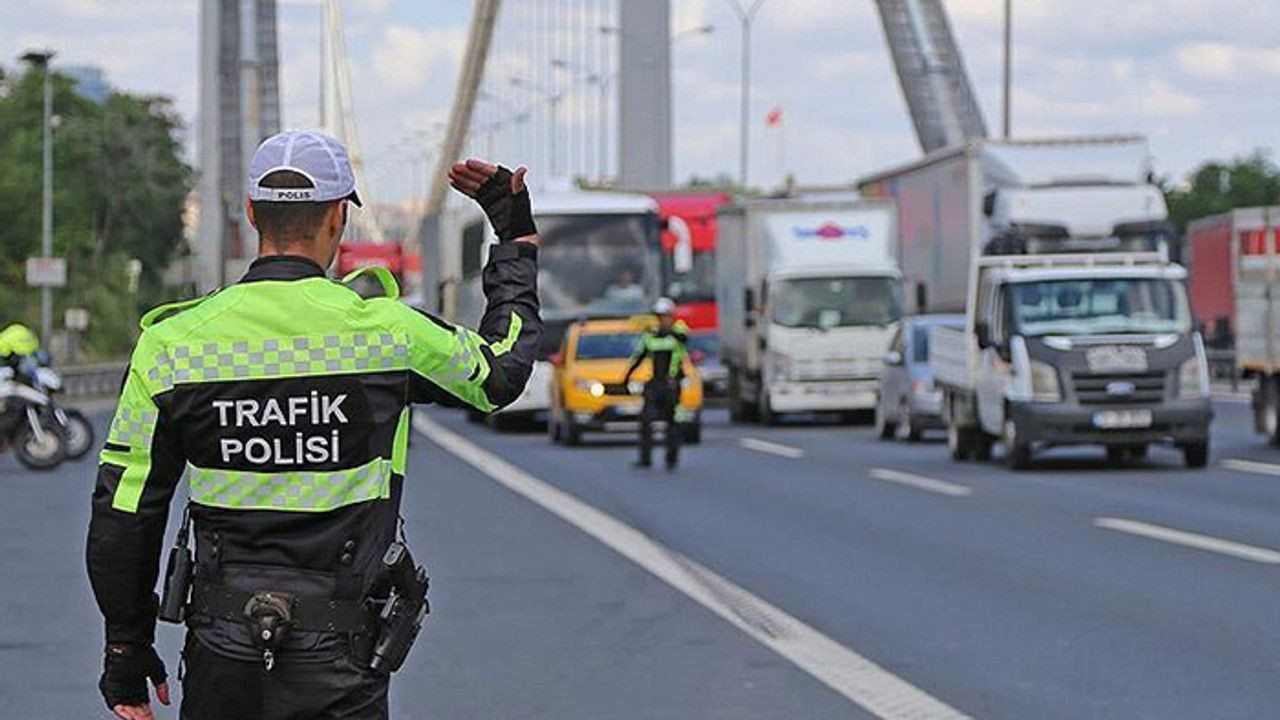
column 1216, row 187
column 119, row 189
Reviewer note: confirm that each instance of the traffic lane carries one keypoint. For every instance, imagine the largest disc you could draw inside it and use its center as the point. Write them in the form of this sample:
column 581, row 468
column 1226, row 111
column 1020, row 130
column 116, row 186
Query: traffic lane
column 1001, row 610
column 50, row 630
column 533, row 618
column 1218, row 500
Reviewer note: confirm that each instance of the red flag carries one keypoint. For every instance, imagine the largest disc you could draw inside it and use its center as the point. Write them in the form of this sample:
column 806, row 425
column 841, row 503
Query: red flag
column 774, row 118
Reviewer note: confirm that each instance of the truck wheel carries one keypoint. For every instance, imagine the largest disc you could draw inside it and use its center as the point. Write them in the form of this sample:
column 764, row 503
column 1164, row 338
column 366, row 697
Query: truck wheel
column 907, row 432
column 739, row 410
column 885, row 430
column 1196, row 455
column 766, row 413
column 1270, row 409
column 957, row 442
column 982, row 446
column 1017, row 452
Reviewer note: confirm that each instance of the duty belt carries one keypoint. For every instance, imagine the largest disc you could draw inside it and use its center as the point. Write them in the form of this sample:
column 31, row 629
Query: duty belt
column 307, row 613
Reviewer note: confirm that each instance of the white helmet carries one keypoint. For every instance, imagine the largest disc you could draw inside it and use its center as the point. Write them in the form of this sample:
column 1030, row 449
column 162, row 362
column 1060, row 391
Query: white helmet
column 664, row 306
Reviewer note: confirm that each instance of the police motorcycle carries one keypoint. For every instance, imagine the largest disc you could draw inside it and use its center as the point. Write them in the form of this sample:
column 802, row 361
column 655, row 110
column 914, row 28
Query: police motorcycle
column 28, row 423
column 75, row 427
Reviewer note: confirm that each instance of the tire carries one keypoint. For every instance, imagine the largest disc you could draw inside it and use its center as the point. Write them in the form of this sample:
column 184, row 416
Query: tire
column 885, row 430
column 1017, row 453
column 906, row 431
column 958, row 442
column 693, row 433
column 1196, row 455
column 37, row 455
column 739, row 410
column 982, row 446
column 765, row 412
column 1270, row 409
column 571, row 434
column 79, row 433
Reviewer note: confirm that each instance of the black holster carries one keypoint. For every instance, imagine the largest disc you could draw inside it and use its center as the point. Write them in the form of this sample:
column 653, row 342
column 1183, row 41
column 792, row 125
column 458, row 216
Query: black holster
column 177, row 577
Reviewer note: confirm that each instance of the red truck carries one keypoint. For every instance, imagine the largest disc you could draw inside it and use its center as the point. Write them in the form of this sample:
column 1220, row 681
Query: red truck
column 689, row 272
column 1226, row 252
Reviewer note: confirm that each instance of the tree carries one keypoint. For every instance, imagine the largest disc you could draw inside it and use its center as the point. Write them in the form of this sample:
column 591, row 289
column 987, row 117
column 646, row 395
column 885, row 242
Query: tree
column 1217, row 187
column 119, row 189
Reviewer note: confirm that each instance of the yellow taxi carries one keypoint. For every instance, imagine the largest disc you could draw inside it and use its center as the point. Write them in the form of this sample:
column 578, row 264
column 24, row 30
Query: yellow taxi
column 587, row 394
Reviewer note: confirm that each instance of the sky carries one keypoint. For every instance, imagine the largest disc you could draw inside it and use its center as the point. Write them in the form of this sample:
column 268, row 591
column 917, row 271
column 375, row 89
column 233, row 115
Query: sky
column 1200, row 78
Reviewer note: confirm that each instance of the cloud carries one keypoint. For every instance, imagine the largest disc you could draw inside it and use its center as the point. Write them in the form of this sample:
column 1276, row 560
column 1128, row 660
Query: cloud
column 405, row 58
column 1224, row 61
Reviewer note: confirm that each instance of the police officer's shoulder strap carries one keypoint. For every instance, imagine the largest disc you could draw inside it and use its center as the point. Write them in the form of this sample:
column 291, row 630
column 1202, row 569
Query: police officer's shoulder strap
column 390, row 288
column 160, row 313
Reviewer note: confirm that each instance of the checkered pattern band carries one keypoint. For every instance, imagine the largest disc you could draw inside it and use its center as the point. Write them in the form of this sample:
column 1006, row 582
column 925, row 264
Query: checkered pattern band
column 301, row 491
column 313, row 355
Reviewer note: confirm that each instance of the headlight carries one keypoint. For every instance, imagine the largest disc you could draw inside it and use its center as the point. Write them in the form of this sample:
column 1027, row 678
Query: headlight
column 1193, row 379
column 594, row 388
column 1044, row 382
column 780, row 366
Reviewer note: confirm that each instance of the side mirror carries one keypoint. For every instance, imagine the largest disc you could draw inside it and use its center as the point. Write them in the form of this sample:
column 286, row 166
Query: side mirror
column 557, row 360
column 893, row 358
column 982, row 330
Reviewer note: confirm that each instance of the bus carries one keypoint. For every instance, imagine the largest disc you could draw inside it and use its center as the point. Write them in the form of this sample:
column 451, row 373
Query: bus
column 600, row 256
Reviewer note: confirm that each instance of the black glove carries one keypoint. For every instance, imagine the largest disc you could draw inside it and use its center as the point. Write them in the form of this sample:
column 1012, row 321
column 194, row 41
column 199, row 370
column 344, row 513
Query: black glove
column 509, row 213
column 125, row 671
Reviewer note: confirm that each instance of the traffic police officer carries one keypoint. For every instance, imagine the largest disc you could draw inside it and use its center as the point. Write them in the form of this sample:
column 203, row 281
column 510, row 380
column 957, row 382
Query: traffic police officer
column 666, row 346
column 284, row 399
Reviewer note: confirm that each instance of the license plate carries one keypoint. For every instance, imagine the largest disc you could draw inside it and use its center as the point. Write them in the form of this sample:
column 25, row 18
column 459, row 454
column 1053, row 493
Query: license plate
column 1110, row 419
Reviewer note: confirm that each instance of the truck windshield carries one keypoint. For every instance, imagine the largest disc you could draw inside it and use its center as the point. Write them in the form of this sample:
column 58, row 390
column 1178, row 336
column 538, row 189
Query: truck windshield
column 607, row 346
column 696, row 285
column 595, row 264
column 1084, row 307
column 835, row 302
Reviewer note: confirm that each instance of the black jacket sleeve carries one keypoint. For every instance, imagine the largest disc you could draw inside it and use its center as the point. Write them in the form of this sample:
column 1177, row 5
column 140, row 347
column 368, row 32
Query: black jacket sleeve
column 486, row 368
column 141, row 464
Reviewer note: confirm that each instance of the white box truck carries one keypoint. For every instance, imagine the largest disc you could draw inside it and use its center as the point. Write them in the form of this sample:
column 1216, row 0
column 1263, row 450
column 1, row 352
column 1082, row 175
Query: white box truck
column 1078, row 329
column 808, row 293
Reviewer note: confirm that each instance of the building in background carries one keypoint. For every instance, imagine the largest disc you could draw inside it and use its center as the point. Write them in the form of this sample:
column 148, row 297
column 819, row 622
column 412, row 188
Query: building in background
column 90, row 80
column 239, row 107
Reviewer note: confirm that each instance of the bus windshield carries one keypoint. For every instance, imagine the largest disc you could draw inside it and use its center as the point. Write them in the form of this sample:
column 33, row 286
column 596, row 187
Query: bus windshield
column 1102, row 306
column 835, row 302
column 596, row 264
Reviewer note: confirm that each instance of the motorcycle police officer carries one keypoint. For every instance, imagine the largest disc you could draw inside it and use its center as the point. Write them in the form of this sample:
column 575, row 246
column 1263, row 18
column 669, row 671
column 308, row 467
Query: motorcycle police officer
column 666, row 346
column 284, row 399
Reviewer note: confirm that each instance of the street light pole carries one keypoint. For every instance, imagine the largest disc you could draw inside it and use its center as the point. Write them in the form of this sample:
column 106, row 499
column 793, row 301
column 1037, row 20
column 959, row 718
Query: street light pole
column 1008, row 62
column 40, row 59
column 746, row 15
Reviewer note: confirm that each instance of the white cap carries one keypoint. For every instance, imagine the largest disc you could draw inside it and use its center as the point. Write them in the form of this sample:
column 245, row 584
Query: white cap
column 316, row 156
column 664, row 306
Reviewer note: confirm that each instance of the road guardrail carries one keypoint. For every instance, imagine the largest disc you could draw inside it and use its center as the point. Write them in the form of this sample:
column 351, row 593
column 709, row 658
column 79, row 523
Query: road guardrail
column 92, row 380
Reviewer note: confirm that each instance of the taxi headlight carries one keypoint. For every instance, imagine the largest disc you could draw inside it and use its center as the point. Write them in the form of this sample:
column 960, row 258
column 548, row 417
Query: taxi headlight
column 1044, row 382
column 594, row 388
column 1193, row 379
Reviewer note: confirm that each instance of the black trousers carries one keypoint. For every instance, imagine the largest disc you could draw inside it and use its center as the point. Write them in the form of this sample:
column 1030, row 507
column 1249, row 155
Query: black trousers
column 660, row 398
column 215, row 687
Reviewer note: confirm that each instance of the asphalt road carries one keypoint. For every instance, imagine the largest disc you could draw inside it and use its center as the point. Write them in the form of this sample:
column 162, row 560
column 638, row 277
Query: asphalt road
column 1073, row 590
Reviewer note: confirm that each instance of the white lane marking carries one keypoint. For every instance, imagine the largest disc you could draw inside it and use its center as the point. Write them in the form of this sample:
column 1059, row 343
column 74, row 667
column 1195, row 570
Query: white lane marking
column 772, row 448
column 921, row 482
column 1252, row 466
column 858, row 679
column 1191, row 540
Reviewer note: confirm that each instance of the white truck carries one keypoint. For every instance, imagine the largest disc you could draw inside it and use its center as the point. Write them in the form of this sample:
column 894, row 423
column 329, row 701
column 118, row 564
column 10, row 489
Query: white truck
column 808, row 293
column 1078, row 328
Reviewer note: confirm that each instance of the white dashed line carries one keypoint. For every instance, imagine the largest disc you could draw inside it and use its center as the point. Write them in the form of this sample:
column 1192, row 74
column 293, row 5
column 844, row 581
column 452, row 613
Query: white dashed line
column 1191, row 540
column 1252, row 466
column 857, row 678
column 921, row 482
column 772, row 448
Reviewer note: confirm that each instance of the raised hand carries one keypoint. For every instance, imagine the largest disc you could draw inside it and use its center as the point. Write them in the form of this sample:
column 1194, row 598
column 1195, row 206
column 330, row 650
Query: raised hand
column 501, row 194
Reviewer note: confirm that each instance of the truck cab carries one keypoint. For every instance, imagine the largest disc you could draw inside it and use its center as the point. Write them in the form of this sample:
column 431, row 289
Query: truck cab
column 1069, row 349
